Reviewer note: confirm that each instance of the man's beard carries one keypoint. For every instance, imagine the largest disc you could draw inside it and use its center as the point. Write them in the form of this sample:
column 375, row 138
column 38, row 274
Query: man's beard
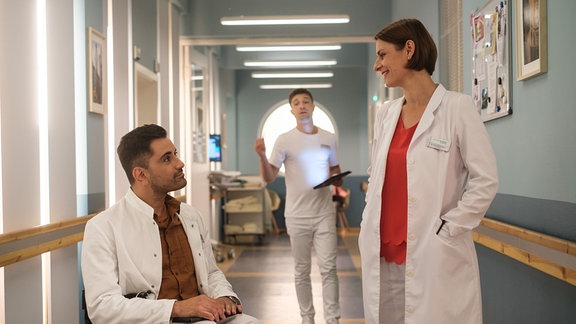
column 181, row 183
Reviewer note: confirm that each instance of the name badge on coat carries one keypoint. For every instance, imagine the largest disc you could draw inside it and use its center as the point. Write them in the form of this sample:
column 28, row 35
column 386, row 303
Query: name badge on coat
column 439, row 144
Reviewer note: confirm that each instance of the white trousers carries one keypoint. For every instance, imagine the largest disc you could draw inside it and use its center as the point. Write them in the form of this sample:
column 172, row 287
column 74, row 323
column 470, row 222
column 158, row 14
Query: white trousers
column 320, row 233
column 392, row 289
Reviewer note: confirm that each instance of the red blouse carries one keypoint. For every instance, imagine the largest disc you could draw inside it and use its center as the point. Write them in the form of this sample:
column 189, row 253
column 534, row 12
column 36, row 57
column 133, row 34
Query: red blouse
column 394, row 211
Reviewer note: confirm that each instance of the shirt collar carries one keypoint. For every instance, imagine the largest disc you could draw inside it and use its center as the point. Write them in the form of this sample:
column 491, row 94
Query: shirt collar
column 172, row 204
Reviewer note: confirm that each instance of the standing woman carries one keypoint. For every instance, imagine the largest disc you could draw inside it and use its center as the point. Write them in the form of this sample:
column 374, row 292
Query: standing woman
column 432, row 177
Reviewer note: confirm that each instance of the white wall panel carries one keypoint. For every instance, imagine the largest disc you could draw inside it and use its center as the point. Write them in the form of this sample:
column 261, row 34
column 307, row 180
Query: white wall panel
column 62, row 158
column 20, row 152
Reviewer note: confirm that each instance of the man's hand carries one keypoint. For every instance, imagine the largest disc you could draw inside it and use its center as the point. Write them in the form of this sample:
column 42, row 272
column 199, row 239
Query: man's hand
column 334, row 171
column 230, row 307
column 267, row 171
column 201, row 306
column 260, row 147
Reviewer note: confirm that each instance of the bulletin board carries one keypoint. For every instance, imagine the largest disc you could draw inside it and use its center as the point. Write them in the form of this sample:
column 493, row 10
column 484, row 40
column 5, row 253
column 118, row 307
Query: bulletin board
column 491, row 83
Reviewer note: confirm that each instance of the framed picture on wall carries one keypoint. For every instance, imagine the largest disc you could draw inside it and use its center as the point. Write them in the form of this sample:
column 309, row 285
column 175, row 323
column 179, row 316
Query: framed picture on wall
column 531, row 38
column 96, row 62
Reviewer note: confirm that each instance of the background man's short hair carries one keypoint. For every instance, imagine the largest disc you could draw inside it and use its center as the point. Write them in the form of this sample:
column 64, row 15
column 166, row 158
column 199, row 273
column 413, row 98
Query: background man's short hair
column 299, row 91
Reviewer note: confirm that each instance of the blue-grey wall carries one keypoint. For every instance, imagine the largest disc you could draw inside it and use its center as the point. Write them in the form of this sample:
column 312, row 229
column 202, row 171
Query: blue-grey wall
column 536, row 153
column 535, row 146
column 95, row 200
column 513, row 293
column 144, row 31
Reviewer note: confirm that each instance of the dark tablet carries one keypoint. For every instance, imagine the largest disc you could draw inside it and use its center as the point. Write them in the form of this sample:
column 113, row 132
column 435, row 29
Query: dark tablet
column 194, row 319
column 333, row 178
column 187, row 319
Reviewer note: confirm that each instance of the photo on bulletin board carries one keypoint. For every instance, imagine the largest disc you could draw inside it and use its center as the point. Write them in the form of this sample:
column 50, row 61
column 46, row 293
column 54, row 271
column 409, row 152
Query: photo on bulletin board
column 490, row 32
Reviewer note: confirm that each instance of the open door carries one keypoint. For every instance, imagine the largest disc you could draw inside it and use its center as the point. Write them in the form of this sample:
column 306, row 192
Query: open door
column 195, row 118
column 145, row 96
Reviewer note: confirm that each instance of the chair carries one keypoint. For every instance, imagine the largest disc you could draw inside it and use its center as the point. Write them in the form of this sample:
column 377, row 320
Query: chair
column 85, row 309
column 274, row 205
column 342, row 198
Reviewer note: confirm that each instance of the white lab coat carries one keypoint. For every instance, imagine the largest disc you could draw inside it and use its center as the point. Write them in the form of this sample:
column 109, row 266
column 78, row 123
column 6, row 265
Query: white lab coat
column 452, row 175
column 122, row 254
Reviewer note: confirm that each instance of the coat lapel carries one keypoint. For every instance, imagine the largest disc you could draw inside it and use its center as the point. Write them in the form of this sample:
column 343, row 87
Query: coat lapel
column 428, row 116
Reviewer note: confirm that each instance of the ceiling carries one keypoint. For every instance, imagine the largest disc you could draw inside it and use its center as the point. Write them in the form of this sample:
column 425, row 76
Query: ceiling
column 201, row 27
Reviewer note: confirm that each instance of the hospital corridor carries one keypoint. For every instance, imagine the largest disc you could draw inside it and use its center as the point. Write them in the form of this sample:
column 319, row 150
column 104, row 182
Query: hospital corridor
column 139, row 136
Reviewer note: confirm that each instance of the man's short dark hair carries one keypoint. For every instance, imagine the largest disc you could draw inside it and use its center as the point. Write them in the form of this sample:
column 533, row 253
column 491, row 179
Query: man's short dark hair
column 399, row 32
column 297, row 92
column 134, row 148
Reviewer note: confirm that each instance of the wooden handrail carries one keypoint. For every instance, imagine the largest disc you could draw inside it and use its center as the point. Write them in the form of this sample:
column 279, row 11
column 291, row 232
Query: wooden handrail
column 552, row 242
column 547, row 266
column 37, row 231
column 29, row 252
column 552, row 268
column 43, row 229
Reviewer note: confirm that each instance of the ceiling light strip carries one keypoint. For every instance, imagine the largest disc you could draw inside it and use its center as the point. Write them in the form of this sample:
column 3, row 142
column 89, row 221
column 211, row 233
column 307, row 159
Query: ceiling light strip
column 286, row 48
column 290, row 63
column 295, row 86
column 280, row 75
column 284, row 20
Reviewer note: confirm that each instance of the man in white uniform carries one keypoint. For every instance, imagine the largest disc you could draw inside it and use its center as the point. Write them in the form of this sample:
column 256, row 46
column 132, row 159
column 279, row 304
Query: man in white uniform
column 310, row 156
column 148, row 258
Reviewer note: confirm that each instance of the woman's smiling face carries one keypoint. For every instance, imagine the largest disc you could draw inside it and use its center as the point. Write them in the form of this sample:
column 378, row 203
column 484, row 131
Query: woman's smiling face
column 390, row 63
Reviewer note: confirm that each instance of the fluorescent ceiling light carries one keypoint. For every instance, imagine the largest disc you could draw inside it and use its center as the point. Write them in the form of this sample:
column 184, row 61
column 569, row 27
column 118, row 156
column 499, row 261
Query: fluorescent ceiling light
column 275, row 75
column 285, row 48
column 284, row 20
column 289, row 63
column 294, row 86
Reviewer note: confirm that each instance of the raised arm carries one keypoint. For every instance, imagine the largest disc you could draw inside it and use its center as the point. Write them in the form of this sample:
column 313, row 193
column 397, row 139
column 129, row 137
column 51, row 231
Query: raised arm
column 267, row 170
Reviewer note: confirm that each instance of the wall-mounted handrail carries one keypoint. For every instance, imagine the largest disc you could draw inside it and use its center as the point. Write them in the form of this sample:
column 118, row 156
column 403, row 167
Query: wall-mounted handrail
column 551, row 255
column 532, row 236
column 43, row 229
column 27, row 243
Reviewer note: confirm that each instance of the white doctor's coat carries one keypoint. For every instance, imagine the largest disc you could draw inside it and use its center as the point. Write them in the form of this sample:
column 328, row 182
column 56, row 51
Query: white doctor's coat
column 122, row 254
column 452, row 176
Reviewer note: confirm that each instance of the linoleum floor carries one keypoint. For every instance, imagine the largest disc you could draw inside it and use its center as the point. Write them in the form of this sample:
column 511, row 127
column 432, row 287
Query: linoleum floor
column 263, row 277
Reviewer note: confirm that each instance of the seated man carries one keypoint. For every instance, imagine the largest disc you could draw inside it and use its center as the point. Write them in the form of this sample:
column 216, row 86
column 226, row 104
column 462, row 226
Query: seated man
column 153, row 248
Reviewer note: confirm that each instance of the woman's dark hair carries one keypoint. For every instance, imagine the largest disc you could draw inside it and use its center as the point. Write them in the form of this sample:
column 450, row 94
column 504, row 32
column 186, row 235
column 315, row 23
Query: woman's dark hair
column 299, row 91
column 399, row 32
column 134, row 148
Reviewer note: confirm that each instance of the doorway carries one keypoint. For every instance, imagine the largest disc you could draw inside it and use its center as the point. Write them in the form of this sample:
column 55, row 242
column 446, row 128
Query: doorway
column 145, row 96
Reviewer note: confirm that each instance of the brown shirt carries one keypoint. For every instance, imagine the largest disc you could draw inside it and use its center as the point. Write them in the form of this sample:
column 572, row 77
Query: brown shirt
column 178, row 272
